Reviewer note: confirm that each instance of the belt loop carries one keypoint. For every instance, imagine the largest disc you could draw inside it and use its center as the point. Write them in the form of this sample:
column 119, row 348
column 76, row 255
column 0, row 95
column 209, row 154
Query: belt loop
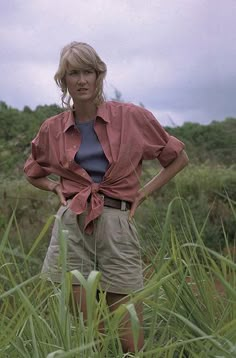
column 123, row 205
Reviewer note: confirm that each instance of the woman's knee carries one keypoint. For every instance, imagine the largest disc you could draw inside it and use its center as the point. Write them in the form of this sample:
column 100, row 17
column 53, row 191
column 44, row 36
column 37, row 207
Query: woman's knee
column 126, row 333
column 78, row 301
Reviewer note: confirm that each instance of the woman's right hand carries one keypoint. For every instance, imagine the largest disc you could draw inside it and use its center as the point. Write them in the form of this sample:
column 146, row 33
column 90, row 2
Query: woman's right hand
column 57, row 190
column 45, row 183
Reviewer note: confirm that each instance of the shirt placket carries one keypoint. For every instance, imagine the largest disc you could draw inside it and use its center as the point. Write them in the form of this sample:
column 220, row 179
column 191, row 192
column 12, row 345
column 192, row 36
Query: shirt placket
column 73, row 144
column 101, row 133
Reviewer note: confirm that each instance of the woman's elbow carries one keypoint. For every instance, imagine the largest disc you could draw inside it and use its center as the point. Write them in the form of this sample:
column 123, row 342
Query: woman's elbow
column 184, row 159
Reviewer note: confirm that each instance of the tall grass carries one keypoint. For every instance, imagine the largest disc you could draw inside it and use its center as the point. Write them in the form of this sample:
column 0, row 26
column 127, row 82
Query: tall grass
column 189, row 301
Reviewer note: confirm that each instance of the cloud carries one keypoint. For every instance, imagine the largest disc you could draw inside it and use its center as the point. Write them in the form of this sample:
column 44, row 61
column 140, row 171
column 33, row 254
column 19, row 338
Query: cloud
column 176, row 57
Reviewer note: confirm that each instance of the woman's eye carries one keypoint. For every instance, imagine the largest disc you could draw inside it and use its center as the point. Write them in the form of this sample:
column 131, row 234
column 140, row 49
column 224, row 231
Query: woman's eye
column 74, row 72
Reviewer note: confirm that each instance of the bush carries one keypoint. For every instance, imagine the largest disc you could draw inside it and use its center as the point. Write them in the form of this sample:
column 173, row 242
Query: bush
column 209, row 193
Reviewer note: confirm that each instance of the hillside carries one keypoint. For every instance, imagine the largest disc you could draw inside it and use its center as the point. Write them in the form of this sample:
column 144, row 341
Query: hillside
column 213, row 144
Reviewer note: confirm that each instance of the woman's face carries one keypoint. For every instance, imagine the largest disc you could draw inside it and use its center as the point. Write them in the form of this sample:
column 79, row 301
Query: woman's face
column 81, row 84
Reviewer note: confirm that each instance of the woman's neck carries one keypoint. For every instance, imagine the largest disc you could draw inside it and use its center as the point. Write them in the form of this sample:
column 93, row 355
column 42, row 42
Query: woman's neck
column 85, row 112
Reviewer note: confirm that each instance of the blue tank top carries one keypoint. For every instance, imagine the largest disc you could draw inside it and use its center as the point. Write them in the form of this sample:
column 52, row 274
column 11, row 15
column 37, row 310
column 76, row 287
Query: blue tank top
column 90, row 155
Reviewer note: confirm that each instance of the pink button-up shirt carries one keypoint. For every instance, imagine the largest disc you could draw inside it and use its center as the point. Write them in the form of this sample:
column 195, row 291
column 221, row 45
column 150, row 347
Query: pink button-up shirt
column 128, row 135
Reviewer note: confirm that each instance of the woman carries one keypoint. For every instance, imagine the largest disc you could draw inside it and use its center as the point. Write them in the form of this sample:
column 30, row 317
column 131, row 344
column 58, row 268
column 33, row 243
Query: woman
column 96, row 148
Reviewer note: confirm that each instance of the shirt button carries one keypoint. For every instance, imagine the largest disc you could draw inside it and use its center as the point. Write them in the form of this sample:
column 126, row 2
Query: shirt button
column 74, row 146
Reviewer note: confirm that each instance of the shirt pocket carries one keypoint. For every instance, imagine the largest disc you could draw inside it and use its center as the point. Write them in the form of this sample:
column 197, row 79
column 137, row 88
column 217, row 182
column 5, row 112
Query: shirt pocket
column 66, row 160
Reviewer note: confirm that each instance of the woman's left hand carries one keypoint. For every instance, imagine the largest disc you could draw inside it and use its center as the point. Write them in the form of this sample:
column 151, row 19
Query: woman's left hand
column 158, row 181
column 138, row 200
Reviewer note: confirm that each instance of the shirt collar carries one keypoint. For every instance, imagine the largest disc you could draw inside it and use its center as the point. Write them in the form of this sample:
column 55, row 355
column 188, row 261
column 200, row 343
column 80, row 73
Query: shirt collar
column 101, row 112
column 69, row 120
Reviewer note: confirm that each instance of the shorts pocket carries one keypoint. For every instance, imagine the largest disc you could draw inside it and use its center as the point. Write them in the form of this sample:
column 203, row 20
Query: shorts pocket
column 61, row 211
column 129, row 232
column 68, row 217
column 64, row 217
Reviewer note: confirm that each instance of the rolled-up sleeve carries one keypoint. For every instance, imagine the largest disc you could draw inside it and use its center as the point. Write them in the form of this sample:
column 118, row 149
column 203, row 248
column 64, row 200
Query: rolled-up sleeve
column 36, row 164
column 157, row 143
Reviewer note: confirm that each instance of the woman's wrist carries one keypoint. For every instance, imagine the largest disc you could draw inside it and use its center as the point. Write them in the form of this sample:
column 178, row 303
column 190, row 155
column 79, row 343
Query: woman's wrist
column 53, row 187
column 142, row 195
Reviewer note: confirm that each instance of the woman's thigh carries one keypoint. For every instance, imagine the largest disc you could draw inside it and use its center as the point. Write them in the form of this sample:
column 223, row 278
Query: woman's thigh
column 69, row 247
column 118, row 252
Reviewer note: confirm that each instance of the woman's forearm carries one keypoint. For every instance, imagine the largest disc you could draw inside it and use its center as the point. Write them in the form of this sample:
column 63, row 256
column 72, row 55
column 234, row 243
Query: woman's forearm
column 165, row 175
column 44, row 183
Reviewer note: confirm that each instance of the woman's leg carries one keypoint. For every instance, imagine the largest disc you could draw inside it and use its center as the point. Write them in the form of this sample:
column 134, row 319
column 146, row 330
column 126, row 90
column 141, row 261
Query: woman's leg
column 78, row 304
column 78, row 301
column 114, row 300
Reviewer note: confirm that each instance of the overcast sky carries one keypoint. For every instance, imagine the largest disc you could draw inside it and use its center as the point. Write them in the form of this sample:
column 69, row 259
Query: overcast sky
column 177, row 57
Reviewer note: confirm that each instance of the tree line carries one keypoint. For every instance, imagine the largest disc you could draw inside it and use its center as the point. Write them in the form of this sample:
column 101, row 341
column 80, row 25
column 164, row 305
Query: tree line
column 213, row 144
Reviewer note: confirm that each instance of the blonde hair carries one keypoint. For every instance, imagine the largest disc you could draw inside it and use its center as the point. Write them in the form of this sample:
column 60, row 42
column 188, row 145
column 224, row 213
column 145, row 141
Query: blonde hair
column 80, row 55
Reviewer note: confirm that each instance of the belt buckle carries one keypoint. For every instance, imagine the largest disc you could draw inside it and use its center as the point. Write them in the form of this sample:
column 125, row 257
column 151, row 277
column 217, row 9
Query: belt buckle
column 123, row 205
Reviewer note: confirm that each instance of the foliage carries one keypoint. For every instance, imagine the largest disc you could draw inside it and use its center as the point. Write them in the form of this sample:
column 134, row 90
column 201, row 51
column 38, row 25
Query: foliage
column 206, row 190
column 213, row 143
column 17, row 129
column 188, row 298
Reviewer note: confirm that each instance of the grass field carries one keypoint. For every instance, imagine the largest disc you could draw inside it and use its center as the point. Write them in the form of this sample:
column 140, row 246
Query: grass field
column 189, row 299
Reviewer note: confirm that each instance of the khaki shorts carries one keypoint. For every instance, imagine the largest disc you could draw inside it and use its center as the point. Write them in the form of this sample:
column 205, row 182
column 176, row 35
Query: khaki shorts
column 113, row 249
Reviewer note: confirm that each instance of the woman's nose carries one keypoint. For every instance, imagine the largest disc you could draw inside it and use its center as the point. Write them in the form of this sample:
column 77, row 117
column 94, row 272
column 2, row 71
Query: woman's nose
column 81, row 78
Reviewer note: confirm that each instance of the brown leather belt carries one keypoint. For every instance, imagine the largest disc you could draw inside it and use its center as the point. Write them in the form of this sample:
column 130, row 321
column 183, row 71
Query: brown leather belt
column 117, row 203
column 114, row 203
